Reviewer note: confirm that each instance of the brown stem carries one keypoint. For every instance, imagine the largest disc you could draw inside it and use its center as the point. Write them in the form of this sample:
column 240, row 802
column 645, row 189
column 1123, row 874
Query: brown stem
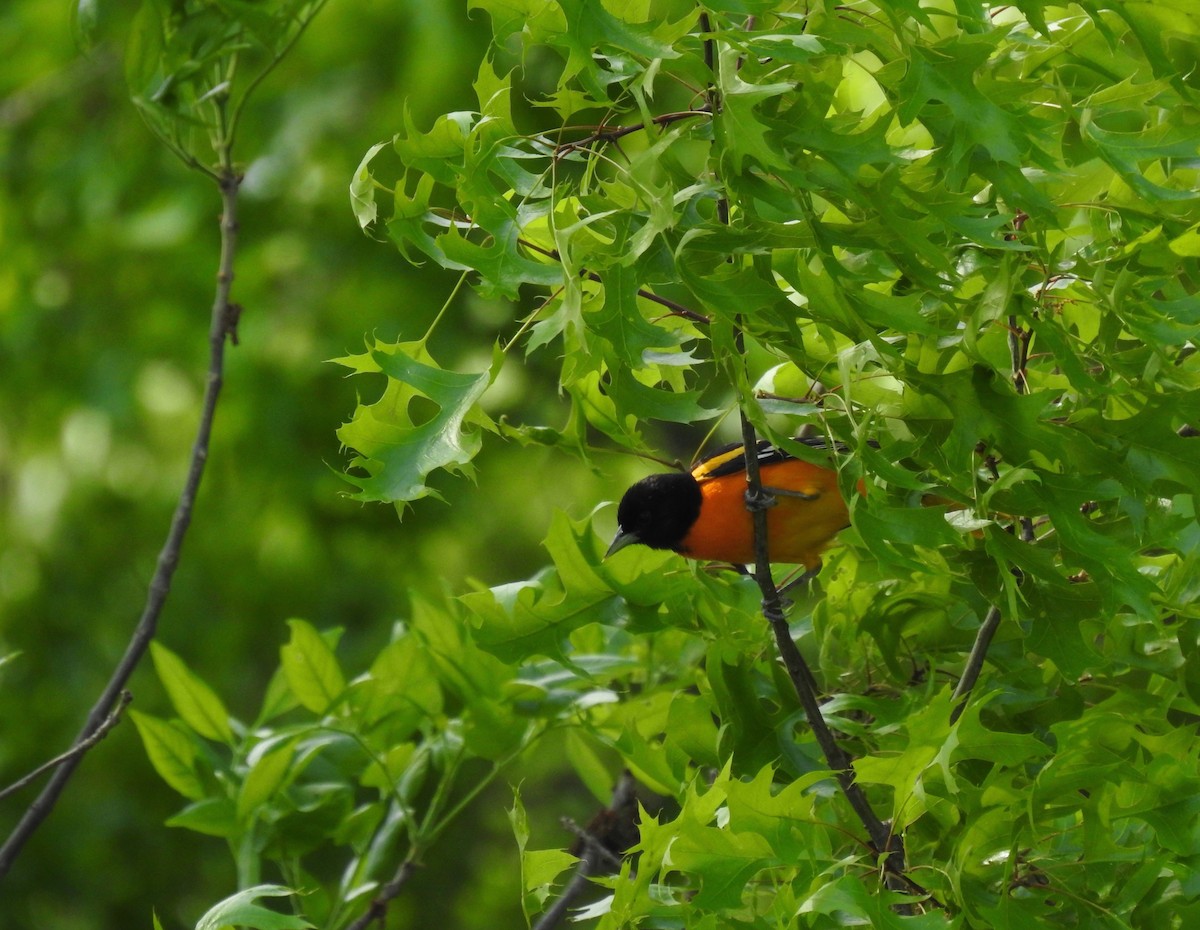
column 970, row 675
column 605, row 135
column 594, row 855
column 883, row 840
column 222, row 320
column 378, row 909
column 78, row 749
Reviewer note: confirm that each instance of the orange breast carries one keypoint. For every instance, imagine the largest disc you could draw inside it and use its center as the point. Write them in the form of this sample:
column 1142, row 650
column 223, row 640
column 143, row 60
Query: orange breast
column 797, row 530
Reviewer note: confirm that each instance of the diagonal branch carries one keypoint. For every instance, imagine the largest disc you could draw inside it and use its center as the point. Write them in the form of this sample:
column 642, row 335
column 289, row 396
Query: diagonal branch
column 975, row 660
column 592, row 857
column 882, row 838
column 1018, row 349
column 606, row 134
column 222, row 325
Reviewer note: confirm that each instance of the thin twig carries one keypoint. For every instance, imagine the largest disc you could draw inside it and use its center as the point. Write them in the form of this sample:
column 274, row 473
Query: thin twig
column 304, row 19
column 594, row 855
column 970, row 675
column 605, row 135
column 589, row 841
column 1018, row 349
column 78, row 749
column 168, row 558
column 378, row 909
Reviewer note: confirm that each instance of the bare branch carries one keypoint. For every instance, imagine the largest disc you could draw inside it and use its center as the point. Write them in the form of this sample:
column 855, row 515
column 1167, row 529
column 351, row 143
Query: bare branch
column 378, row 909
column 604, row 134
column 883, row 840
column 975, row 660
column 222, row 319
column 78, row 749
column 594, row 854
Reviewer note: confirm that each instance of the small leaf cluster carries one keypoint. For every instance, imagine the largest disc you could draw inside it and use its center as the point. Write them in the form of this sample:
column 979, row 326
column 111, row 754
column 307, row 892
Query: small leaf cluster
column 368, row 765
column 192, row 65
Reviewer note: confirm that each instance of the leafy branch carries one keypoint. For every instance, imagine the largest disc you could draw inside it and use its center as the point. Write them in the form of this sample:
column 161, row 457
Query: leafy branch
column 176, row 90
column 676, row 308
column 606, row 134
column 885, row 843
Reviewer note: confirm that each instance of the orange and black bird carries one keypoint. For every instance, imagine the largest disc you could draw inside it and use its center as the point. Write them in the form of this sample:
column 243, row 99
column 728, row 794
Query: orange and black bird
column 703, row 515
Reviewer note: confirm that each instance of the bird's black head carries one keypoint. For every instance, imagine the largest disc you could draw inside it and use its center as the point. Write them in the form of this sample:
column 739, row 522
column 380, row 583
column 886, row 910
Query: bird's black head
column 657, row 512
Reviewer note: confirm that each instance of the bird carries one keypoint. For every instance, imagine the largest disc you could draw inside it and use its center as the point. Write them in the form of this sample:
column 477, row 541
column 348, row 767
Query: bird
column 702, row 514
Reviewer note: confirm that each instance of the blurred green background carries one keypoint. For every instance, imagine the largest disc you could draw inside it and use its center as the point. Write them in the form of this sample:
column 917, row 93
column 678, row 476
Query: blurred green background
column 109, row 249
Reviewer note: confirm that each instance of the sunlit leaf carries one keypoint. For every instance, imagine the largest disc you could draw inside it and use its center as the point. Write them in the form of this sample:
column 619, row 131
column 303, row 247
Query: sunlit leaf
column 241, row 910
column 311, row 668
column 193, row 700
column 396, row 445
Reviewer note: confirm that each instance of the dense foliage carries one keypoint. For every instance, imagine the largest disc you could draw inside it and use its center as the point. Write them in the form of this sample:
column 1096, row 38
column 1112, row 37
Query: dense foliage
column 961, row 241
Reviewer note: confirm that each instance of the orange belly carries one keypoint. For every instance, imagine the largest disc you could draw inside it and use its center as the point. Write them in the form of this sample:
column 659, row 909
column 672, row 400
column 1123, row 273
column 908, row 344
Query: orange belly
column 798, row 530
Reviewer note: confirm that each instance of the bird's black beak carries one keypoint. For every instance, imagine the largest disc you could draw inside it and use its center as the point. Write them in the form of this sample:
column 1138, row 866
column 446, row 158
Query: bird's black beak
column 620, row 541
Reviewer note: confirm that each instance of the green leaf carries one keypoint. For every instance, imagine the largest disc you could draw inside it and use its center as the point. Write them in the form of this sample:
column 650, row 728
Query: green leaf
column 210, row 816
column 587, row 26
column 721, row 857
column 398, row 451
column 172, row 751
column 1123, row 150
column 240, row 910
column 540, row 868
column 401, row 691
column 592, row 771
column 266, row 776
column 648, row 402
column 779, row 814
column 362, row 189
column 975, row 741
column 929, row 741
column 311, row 668
column 193, row 700
column 278, row 699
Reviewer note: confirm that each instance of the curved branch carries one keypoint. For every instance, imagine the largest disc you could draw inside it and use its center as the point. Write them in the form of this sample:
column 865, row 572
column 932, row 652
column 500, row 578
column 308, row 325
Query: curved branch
column 222, row 325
